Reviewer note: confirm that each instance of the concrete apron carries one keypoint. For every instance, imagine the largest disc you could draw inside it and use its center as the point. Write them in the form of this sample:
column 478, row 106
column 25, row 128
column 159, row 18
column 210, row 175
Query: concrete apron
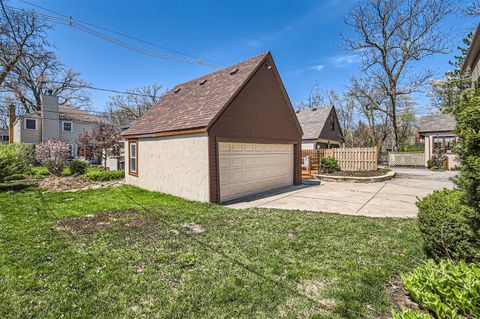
column 395, row 198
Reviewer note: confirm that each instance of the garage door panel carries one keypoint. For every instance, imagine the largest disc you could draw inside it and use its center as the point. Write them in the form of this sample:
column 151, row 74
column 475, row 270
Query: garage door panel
column 247, row 168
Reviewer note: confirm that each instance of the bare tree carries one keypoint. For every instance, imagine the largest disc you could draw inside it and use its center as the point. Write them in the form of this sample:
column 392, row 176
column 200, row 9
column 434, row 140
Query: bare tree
column 391, row 36
column 125, row 108
column 36, row 76
column 21, row 34
column 367, row 96
column 103, row 141
column 473, row 9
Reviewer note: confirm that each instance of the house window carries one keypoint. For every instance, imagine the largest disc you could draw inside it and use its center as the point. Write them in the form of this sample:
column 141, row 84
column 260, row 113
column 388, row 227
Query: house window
column 67, row 126
column 30, row 124
column 449, row 144
column 133, row 158
column 445, row 144
column 332, row 123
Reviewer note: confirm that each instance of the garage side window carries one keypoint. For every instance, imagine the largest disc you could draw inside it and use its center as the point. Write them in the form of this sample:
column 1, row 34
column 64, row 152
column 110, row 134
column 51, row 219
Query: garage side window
column 133, row 158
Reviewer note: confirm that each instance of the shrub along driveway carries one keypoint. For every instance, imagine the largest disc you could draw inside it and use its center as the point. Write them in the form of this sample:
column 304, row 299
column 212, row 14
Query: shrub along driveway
column 393, row 198
column 128, row 253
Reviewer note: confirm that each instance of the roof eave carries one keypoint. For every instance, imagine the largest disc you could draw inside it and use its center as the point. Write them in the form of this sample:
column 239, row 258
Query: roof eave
column 473, row 51
column 126, row 135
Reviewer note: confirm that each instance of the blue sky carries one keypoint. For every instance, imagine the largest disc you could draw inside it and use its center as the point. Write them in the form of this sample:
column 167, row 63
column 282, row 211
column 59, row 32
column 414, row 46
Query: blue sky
column 303, row 37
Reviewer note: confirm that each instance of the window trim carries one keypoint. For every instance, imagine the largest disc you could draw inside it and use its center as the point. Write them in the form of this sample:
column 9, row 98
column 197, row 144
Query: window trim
column 71, row 126
column 130, row 172
column 25, row 124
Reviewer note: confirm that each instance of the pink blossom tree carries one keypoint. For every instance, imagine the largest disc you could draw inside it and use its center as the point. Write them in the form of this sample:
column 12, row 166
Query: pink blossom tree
column 54, row 155
column 101, row 142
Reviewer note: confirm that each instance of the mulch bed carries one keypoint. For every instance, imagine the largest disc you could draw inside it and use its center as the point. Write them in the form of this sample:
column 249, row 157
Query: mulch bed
column 379, row 172
column 61, row 184
column 74, row 183
column 399, row 297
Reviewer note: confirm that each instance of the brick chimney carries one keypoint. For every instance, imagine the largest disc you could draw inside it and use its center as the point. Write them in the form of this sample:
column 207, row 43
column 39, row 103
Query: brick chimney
column 11, row 124
column 50, row 117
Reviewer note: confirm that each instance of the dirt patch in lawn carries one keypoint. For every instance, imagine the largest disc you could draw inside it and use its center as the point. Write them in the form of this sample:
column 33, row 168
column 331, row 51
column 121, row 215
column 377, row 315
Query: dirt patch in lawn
column 314, row 289
column 102, row 221
column 193, row 228
column 61, row 184
column 398, row 295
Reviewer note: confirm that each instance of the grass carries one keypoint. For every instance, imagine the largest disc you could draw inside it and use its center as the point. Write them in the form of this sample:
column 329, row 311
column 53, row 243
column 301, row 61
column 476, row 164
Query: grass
column 131, row 262
column 94, row 172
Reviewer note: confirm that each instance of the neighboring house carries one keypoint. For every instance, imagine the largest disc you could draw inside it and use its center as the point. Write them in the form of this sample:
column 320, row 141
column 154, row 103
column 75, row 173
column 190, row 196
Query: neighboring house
column 221, row 136
column 53, row 122
column 321, row 128
column 472, row 60
column 437, row 131
column 4, row 135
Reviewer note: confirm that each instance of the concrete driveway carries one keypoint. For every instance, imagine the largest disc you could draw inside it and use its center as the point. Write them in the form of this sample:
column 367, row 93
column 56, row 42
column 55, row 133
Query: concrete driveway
column 393, row 198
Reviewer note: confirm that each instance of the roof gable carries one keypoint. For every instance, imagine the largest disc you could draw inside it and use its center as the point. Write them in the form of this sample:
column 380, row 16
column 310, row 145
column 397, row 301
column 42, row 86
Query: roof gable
column 313, row 121
column 197, row 103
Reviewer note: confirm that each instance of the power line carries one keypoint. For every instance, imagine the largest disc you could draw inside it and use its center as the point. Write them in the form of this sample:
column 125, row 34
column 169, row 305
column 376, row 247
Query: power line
column 90, row 87
column 110, row 30
column 72, row 23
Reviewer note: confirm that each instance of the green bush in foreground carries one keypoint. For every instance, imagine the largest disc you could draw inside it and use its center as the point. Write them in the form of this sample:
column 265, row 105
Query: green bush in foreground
column 14, row 177
column 407, row 313
column 447, row 232
column 15, row 159
column 78, row 167
column 447, row 289
column 98, row 175
column 37, row 172
column 329, row 164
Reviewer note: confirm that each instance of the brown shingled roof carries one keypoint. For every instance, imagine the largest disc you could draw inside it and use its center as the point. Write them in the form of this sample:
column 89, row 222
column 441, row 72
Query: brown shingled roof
column 437, row 123
column 196, row 103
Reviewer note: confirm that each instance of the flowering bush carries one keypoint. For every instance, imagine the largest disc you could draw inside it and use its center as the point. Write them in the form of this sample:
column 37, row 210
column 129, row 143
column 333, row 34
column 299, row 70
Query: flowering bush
column 54, row 155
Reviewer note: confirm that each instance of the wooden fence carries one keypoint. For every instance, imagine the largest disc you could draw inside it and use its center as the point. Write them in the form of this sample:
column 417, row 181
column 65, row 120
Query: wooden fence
column 349, row 159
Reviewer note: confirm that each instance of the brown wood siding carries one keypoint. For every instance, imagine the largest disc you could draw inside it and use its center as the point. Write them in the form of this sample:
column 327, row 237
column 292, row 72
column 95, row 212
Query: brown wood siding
column 260, row 113
column 327, row 133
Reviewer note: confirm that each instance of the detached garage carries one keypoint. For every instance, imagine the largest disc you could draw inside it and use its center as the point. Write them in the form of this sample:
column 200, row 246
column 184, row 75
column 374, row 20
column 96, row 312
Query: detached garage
column 225, row 135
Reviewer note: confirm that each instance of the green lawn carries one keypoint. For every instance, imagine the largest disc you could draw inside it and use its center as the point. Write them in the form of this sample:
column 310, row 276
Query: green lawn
column 162, row 256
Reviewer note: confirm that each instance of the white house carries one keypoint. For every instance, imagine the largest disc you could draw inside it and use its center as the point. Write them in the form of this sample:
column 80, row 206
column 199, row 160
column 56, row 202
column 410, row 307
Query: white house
column 53, row 121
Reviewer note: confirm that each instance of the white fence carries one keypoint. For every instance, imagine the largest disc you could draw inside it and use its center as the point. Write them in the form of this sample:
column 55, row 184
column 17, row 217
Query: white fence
column 406, row 159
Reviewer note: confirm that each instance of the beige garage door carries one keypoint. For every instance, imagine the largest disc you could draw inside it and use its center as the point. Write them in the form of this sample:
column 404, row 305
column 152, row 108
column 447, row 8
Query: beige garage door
column 247, row 168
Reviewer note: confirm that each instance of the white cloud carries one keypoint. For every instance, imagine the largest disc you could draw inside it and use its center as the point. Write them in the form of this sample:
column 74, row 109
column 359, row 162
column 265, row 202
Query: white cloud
column 343, row 61
column 318, row 67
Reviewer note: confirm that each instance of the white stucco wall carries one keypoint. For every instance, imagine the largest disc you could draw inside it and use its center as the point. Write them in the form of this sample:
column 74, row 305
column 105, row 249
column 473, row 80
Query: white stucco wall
column 308, row 144
column 452, row 161
column 176, row 165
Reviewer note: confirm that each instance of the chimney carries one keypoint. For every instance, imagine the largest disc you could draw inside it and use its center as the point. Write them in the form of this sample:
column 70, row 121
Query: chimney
column 11, row 122
column 50, row 117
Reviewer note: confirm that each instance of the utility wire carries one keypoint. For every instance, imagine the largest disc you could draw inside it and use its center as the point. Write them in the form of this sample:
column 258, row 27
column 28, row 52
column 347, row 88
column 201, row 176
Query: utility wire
column 110, row 30
column 72, row 23
column 90, row 87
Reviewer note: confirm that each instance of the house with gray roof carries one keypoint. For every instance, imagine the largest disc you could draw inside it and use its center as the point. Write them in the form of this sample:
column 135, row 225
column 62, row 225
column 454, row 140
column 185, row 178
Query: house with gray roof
column 438, row 133
column 321, row 128
column 53, row 122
